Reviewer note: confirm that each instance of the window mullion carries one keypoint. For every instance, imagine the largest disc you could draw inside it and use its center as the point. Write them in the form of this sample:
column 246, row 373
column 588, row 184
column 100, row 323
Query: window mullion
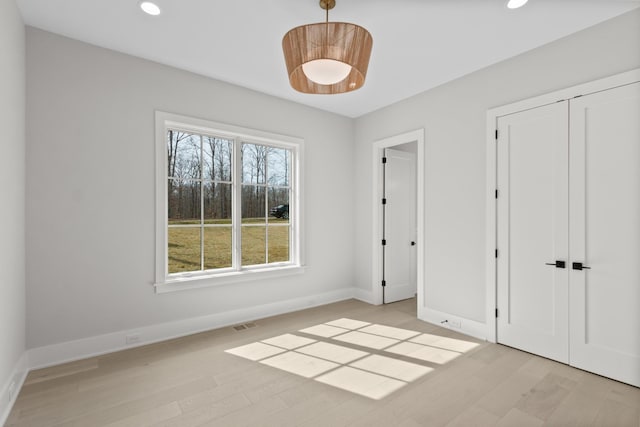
column 164, row 166
column 236, row 211
column 201, row 204
column 266, row 206
column 293, row 199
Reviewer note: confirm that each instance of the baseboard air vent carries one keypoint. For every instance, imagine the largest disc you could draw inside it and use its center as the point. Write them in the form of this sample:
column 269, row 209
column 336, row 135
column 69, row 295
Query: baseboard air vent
column 244, row 326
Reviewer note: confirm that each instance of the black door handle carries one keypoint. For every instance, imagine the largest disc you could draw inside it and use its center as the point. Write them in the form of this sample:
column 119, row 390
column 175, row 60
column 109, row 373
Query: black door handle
column 579, row 266
column 413, row 243
column 557, row 264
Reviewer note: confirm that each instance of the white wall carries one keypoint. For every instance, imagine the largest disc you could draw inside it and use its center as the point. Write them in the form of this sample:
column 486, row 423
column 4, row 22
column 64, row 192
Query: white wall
column 12, row 177
column 90, row 191
column 453, row 116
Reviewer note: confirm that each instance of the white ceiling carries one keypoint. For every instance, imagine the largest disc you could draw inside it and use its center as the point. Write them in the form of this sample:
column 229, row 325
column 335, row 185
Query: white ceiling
column 418, row 44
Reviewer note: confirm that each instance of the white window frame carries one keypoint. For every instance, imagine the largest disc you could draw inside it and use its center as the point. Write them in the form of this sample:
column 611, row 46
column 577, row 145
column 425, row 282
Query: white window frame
column 165, row 282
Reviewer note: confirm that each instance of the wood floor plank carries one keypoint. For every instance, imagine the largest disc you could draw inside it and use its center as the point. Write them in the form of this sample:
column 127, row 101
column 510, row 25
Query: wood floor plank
column 230, row 386
column 249, row 416
column 578, row 409
column 148, row 418
column 58, row 411
column 506, row 395
column 344, row 414
column 106, row 415
column 545, row 396
column 306, row 409
column 624, row 393
column 203, row 414
column 517, row 418
column 474, row 416
column 614, row 413
column 61, row 371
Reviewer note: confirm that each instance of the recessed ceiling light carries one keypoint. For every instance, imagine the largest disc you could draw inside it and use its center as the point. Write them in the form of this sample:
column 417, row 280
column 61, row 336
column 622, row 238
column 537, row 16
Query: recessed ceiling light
column 150, row 8
column 514, row 4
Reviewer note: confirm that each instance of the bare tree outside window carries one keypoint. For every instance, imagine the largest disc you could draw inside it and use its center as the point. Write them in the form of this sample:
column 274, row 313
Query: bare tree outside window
column 265, row 204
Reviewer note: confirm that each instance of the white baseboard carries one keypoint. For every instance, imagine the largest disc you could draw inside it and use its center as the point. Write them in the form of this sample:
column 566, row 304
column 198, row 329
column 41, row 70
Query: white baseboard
column 56, row 354
column 363, row 295
column 449, row 321
column 9, row 391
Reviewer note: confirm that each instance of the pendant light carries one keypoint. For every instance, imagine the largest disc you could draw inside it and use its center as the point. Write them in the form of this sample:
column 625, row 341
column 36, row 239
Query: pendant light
column 327, row 57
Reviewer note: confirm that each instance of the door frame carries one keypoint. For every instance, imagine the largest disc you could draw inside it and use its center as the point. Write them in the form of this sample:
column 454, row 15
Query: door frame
column 416, row 136
column 491, row 217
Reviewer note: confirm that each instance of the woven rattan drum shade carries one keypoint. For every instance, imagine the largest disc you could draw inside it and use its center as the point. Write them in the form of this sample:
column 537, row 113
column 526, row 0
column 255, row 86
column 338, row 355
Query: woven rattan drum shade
column 339, row 41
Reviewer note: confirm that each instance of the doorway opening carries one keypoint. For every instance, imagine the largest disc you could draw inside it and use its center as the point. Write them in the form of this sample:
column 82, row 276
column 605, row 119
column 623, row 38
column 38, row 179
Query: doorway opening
column 398, row 219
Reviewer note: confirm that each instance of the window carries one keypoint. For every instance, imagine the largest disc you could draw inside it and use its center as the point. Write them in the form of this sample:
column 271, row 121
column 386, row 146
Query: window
column 228, row 203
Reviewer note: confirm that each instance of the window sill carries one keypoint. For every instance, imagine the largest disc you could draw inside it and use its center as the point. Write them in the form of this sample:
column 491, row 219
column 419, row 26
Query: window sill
column 205, row 281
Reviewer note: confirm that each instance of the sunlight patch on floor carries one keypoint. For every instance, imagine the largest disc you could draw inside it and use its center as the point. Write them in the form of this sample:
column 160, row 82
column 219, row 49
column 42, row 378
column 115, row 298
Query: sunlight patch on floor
column 389, row 332
column 332, row 352
column 391, row 367
column 288, row 341
column 423, row 352
column 371, row 375
column 255, row 351
column 363, row 383
column 348, row 323
column 366, row 340
column 300, row 364
column 325, row 331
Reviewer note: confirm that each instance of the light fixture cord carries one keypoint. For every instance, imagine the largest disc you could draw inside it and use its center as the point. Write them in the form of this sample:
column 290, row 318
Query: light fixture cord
column 326, row 29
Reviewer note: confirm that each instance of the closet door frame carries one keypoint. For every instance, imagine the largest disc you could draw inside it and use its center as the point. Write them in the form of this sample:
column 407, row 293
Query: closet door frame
column 491, row 249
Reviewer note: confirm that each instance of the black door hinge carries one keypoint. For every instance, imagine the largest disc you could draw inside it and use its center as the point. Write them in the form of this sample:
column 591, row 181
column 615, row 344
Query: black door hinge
column 496, row 253
column 384, row 242
column 496, row 313
column 384, row 283
column 384, row 160
column 496, row 193
column 496, row 134
column 384, row 201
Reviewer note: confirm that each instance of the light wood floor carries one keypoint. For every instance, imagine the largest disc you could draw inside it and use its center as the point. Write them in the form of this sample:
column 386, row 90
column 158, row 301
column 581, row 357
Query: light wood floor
column 191, row 381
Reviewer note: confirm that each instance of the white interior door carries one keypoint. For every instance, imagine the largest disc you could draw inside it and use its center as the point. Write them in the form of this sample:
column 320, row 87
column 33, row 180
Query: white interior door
column 605, row 233
column 400, row 225
column 532, row 297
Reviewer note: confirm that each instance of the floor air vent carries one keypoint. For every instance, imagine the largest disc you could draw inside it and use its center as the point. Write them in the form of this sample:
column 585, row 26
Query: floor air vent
column 244, row 326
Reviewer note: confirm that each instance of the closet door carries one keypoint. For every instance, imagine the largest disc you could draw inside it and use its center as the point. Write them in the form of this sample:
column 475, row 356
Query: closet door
column 605, row 233
column 533, row 231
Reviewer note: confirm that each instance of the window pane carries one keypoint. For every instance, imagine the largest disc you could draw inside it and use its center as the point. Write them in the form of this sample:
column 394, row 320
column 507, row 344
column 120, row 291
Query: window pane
column 184, row 249
column 278, row 244
column 253, row 209
column 254, row 162
column 183, row 201
column 217, row 247
column 278, row 167
column 278, row 205
column 217, row 158
column 253, row 245
column 217, row 203
column 183, row 155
